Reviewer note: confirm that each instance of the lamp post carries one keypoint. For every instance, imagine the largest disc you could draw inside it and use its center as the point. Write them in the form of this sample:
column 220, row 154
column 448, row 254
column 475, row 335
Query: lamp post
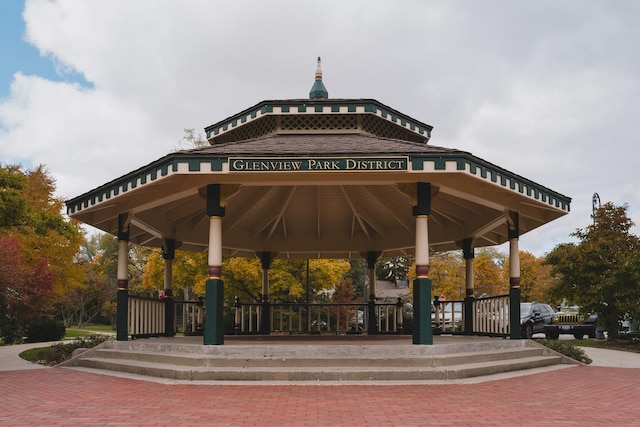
column 595, row 204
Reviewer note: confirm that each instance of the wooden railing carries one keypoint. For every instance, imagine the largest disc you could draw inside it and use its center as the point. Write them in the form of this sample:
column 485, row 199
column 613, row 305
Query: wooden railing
column 491, row 316
column 189, row 317
column 448, row 317
column 317, row 318
column 146, row 317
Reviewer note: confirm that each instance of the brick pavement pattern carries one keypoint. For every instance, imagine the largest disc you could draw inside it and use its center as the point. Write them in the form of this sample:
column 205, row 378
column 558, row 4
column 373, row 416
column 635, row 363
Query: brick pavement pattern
column 580, row 396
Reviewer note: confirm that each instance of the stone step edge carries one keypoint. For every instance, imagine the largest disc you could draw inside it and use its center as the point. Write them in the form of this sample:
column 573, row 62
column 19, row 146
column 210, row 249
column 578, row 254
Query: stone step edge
column 271, row 373
column 198, row 359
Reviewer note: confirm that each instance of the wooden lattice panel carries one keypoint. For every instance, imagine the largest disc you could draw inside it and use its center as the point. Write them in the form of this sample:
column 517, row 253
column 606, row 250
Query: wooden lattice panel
column 317, row 122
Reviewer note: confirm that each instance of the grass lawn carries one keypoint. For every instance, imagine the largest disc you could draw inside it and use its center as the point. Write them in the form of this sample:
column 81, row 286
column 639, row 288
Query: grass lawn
column 87, row 331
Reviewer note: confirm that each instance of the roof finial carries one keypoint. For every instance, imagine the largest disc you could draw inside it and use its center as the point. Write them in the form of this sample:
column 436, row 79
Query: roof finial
column 319, row 69
column 318, row 91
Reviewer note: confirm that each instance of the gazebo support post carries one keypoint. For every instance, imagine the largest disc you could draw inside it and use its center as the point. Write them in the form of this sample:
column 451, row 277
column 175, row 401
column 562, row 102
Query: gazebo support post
column 214, row 290
column 422, row 332
column 372, row 326
column 122, row 299
column 168, row 253
column 468, row 253
column 265, row 313
column 515, row 329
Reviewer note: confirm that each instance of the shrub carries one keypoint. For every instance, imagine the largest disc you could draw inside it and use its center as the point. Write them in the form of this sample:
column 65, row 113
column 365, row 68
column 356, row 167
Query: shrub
column 46, row 329
column 60, row 352
column 567, row 349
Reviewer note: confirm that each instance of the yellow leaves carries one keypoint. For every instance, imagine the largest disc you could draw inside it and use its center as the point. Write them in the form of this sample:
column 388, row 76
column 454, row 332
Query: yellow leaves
column 447, row 272
column 189, row 270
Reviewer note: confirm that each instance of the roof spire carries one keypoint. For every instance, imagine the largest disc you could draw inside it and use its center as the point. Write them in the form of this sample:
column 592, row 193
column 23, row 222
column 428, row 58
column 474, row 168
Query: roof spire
column 318, row 91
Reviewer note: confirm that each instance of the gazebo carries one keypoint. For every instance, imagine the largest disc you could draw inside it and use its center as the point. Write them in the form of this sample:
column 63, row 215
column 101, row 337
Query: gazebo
column 319, row 178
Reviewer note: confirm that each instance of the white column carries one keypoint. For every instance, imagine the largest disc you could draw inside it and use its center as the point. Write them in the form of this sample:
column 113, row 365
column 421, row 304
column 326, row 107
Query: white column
column 215, row 247
column 422, row 246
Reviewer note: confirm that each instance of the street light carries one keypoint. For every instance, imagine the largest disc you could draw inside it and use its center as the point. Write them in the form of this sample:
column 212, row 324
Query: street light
column 595, row 204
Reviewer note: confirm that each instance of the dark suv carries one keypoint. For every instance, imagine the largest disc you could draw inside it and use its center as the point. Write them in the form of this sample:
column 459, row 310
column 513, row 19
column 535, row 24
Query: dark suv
column 533, row 317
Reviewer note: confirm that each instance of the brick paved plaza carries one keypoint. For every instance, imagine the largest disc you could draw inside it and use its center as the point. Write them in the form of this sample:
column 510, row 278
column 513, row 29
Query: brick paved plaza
column 584, row 396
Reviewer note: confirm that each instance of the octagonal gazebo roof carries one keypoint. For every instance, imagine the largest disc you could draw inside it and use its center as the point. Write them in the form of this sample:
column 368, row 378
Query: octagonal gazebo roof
column 310, row 178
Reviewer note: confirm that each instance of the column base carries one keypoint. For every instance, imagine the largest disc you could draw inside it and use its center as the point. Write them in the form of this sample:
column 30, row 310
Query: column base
column 214, row 312
column 422, row 332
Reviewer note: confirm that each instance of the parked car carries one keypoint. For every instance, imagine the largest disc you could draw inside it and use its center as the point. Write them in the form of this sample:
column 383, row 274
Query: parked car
column 571, row 320
column 533, row 317
column 629, row 328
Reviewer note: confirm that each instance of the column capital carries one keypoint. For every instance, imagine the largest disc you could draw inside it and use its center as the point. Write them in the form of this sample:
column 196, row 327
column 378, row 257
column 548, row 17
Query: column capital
column 468, row 251
column 513, row 224
column 214, row 200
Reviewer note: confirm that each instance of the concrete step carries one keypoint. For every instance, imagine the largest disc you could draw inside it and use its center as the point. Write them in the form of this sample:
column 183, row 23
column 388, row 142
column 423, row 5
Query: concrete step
column 316, row 373
column 317, row 362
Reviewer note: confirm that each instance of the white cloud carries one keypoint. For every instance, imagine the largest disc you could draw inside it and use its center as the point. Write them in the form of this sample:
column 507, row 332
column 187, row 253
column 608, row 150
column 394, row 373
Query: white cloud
column 546, row 89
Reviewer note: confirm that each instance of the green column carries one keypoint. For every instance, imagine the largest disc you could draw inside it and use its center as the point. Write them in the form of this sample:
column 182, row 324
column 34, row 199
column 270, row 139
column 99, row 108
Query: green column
column 214, row 312
column 122, row 296
column 513, row 233
column 168, row 253
column 372, row 326
column 422, row 333
column 515, row 328
column 468, row 254
column 214, row 289
column 122, row 313
column 265, row 313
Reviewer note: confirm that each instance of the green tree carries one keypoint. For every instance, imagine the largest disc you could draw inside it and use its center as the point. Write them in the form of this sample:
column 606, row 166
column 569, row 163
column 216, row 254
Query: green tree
column 601, row 272
column 393, row 269
column 13, row 205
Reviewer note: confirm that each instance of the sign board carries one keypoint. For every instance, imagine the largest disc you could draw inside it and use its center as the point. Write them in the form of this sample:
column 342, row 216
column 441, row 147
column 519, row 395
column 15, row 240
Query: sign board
column 320, row 164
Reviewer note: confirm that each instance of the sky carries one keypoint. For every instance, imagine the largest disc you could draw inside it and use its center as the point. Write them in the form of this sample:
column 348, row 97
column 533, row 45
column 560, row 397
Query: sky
column 549, row 90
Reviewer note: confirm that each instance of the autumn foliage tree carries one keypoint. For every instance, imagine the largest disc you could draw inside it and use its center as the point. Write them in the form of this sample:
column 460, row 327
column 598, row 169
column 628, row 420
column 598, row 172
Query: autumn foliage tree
column 41, row 241
column 535, row 278
column 601, row 273
column 26, row 290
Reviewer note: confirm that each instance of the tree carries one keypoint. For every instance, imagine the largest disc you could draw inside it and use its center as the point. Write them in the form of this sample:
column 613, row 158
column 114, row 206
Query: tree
column 601, row 272
column 287, row 278
column 13, row 206
column 192, row 139
column 447, row 272
column 393, row 269
column 26, row 291
column 31, row 214
column 93, row 298
column 535, row 278
column 487, row 268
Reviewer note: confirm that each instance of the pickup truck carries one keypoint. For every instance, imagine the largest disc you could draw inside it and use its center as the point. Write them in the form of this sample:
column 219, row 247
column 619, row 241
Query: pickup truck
column 569, row 320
